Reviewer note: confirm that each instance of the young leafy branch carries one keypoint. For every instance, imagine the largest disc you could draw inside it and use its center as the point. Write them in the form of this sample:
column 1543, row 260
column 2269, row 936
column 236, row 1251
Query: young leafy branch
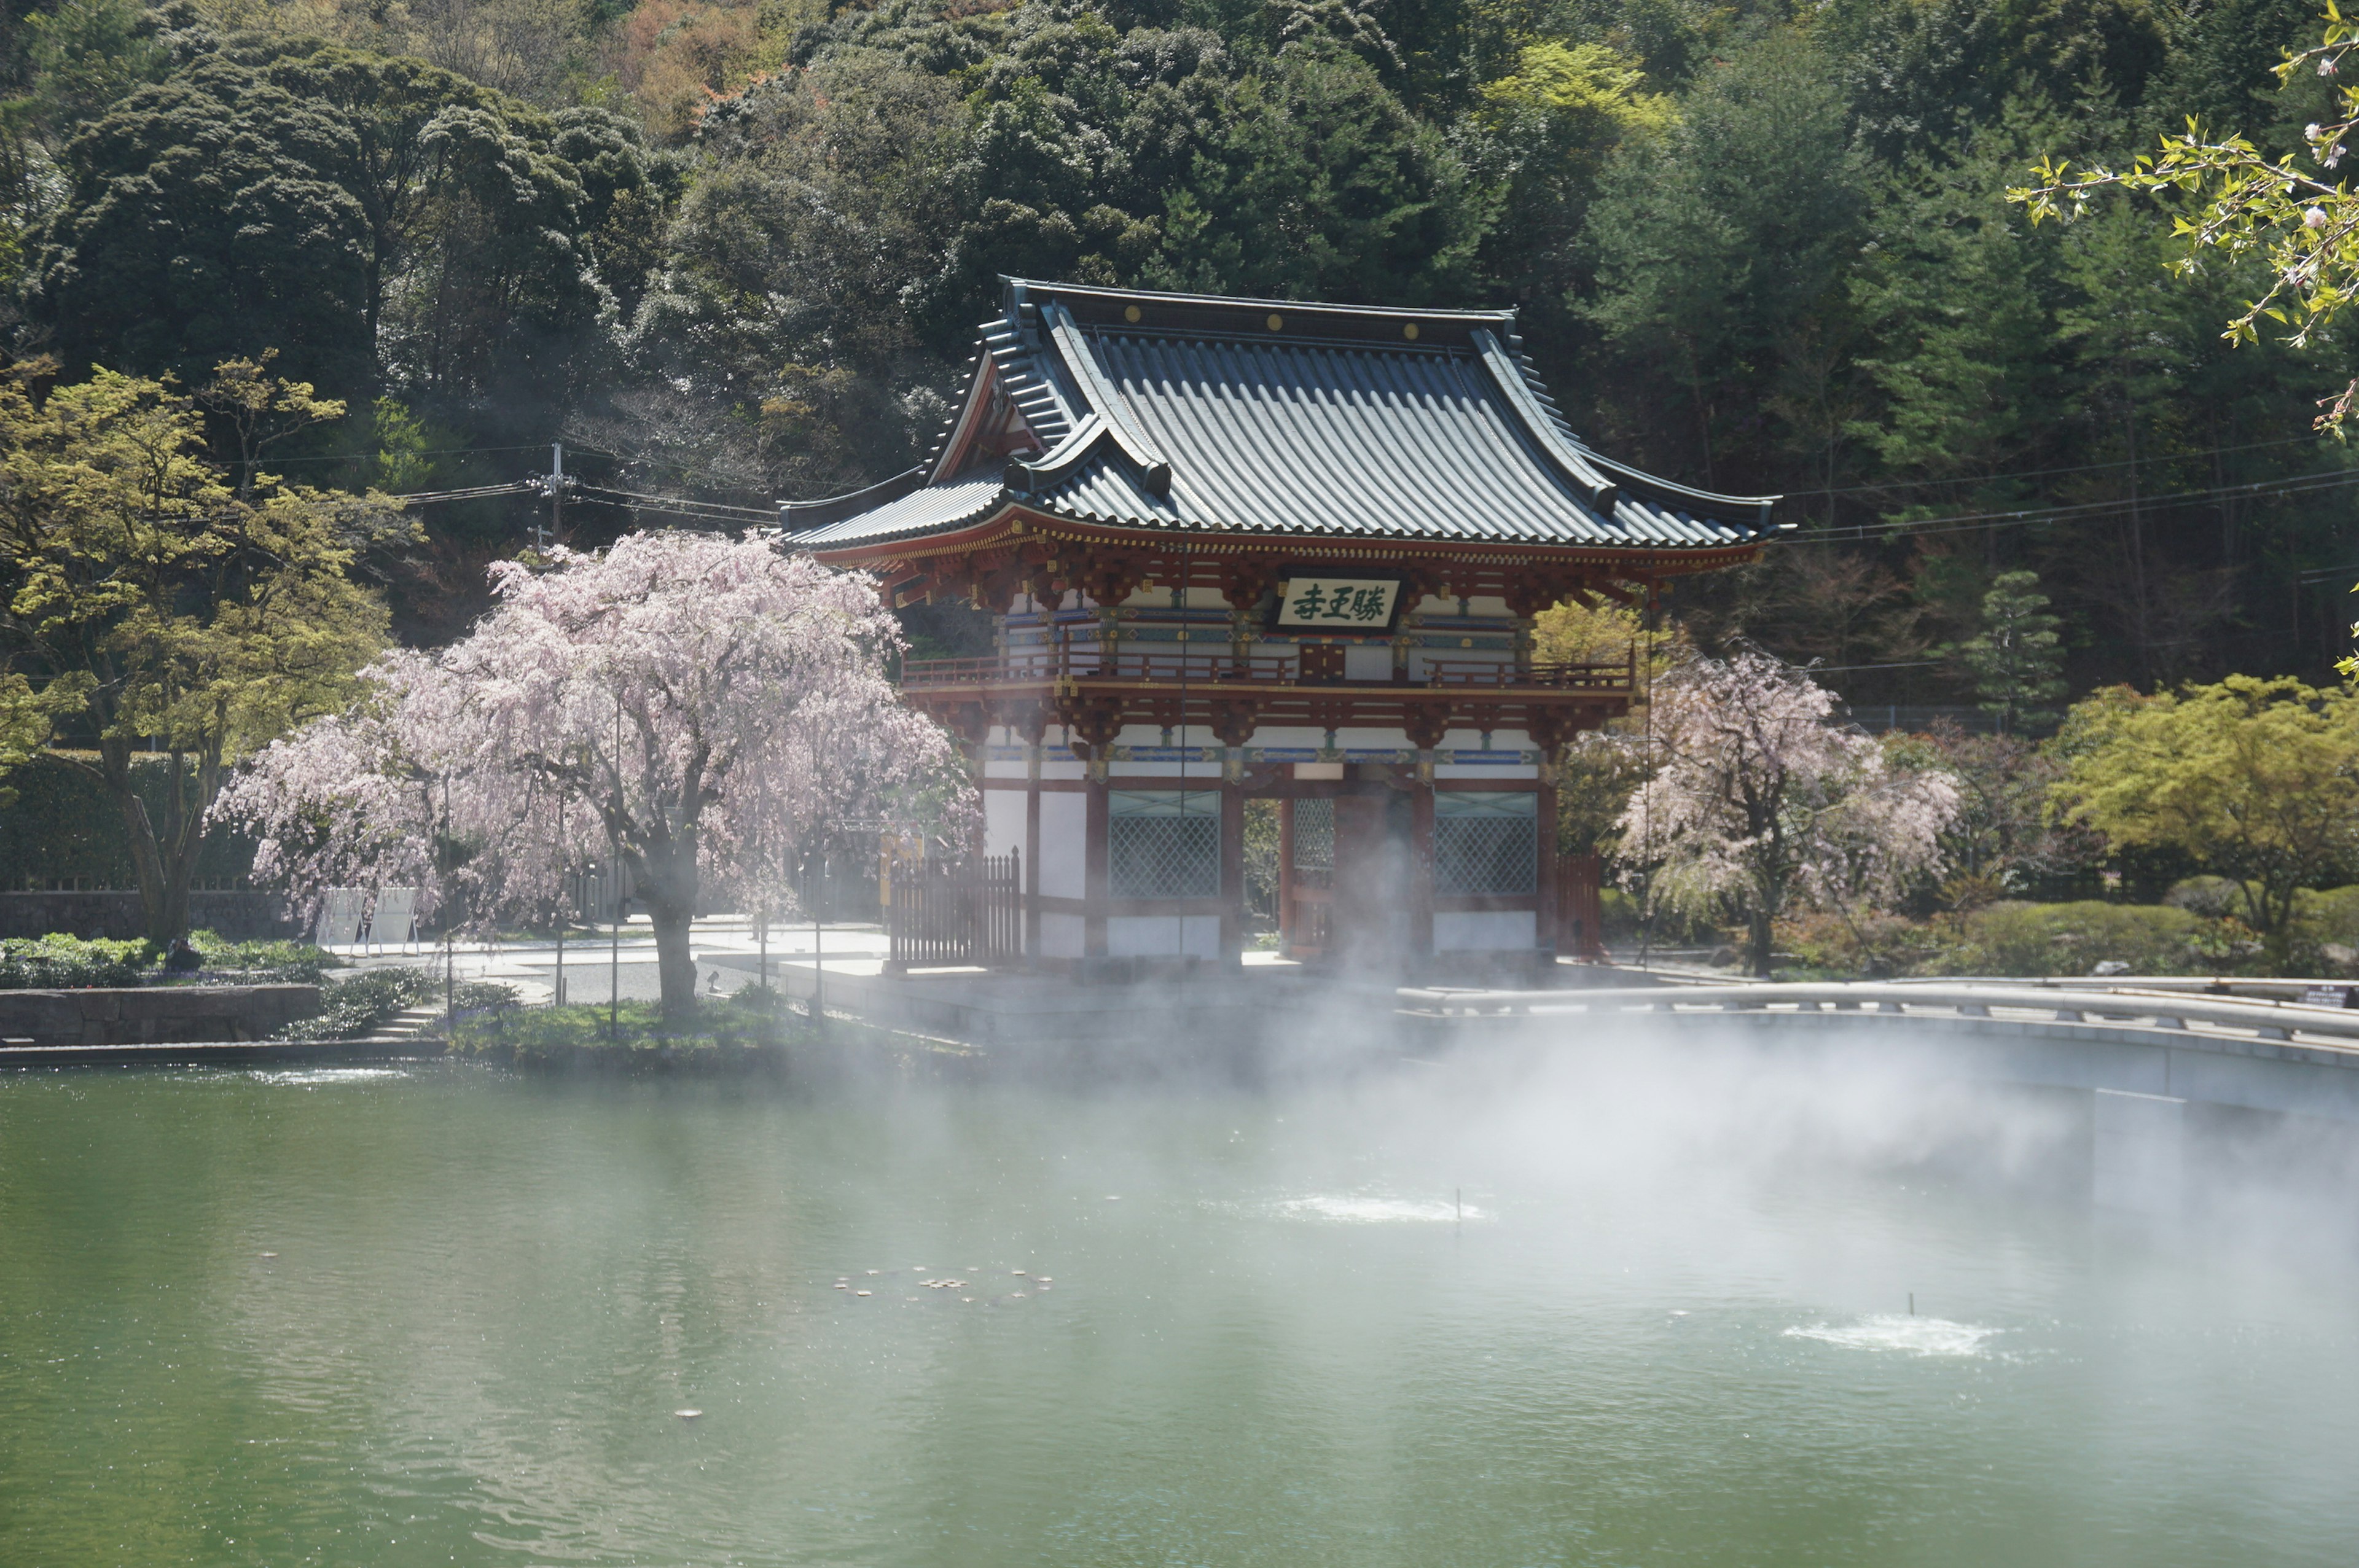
column 2304, row 225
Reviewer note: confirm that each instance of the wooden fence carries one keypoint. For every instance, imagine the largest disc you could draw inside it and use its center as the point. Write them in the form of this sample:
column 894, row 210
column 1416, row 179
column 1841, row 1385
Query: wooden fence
column 942, row 913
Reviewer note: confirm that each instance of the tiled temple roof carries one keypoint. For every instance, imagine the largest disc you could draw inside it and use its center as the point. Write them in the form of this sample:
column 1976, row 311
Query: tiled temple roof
column 1190, row 413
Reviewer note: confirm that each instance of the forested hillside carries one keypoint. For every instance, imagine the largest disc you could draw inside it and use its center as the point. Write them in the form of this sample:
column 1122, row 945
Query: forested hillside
column 734, row 253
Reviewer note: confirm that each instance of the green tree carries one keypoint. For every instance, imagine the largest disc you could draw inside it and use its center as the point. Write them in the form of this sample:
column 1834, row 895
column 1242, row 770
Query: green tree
column 783, row 342
column 374, row 220
column 1721, row 253
column 1324, row 187
column 151, row 605
column 2255, row 780
column 1547, row 128
column 2016, row 654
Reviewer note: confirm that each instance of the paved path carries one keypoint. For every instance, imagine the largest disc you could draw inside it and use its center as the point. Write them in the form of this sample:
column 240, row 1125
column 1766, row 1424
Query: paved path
column 728, row 956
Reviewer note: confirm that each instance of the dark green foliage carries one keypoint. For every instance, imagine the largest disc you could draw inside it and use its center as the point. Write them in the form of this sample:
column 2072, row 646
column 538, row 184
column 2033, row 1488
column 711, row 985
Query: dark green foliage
column 1760, row 247
column 278, row 961
column 1322, row 186
column 55, row 962
column 204, row 216
column 379, row 221
column 1721, row 255
column 745, row 1031
column 63, row 830
column 2015, row 657
column 359, row 1007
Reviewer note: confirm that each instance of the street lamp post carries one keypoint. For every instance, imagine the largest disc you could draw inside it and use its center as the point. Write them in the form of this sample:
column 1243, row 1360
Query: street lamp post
column 563, row 877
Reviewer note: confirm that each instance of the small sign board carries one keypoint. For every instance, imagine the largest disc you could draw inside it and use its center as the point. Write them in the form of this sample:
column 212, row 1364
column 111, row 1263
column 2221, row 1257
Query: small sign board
column 2327, row 996
column 340, row 918
column 395, row 916
column 1307, row 603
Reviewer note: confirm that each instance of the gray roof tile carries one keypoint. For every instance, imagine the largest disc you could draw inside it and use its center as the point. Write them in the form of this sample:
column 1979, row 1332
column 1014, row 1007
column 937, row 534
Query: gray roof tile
column 1188, row 413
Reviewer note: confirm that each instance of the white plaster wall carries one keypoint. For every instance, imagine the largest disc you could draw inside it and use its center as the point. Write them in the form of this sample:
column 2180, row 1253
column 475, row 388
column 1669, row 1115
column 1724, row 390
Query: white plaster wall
column 1485, row 930
column 1364, row 661
column 1063, row 935
column 1064, row 823
column 1164, row 775
column 1501, row 771
column 1163, row 936
column 1003, row 822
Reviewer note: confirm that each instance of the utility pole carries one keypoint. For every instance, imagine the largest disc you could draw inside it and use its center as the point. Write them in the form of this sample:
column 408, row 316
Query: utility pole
column 554, row 533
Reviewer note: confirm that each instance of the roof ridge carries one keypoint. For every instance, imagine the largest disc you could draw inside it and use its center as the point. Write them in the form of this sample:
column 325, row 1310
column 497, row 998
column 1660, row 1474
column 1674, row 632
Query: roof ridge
column 1018, row 292
column 1105, row 401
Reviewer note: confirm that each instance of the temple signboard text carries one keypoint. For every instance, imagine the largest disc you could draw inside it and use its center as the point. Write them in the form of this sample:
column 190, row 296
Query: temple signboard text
column 1338, row 604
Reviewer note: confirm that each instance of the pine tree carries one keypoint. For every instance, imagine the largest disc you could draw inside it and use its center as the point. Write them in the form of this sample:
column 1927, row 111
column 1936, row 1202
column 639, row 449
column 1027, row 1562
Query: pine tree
column 2015, row 658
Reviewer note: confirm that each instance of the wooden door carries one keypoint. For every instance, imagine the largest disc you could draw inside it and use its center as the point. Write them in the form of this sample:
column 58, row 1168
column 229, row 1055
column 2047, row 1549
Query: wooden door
column 1368, row 921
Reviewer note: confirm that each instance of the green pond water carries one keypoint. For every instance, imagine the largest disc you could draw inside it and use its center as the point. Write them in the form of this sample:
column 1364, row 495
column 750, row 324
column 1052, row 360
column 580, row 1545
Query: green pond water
column 440, row 1314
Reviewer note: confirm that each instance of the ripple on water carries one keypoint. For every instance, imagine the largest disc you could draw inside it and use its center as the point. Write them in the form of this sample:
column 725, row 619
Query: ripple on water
column 1905, row 1335
column 307, row 1078
column 1376, row 1211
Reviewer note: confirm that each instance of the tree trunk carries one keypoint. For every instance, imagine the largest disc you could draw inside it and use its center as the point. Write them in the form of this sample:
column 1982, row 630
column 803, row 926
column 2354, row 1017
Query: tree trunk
column 668, row 885
column 675, row 960
column 1760, row 942
column 163, row 876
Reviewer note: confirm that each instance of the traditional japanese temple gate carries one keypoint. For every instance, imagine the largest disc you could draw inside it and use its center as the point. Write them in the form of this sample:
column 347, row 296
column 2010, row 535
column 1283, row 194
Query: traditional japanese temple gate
column 1252, row 549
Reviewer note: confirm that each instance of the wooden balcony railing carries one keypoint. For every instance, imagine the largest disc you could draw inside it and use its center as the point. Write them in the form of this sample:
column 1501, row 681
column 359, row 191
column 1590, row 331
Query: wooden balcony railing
column 1088, row 659
column 1564, row 677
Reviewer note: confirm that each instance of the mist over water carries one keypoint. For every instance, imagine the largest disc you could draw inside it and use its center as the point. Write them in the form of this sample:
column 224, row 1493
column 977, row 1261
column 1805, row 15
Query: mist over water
column 1209, row 1325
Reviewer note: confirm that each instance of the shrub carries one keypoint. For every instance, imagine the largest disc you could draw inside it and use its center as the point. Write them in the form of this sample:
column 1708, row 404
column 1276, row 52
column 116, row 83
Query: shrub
column 2011, row 938
column 1876, row 947
column 55, row 962
column 255, row 963
column 359, row 1007
column 733, row 1032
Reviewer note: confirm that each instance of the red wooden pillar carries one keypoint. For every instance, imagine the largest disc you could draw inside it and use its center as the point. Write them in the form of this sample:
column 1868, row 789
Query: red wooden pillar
column 1548, row 921
column 1421, row 868
column 1032, row 857
column 1286, row 916
column 1232, row 870
column 1096, row 829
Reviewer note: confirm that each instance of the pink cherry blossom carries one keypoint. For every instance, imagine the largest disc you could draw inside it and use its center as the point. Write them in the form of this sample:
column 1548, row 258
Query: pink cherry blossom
column 704, row 709
column 1758, row 798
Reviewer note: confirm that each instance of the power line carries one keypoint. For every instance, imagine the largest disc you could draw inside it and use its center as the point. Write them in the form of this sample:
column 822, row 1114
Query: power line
column 713, row 510
column 2326, row 478
column 429, row 497
column 370, row 457
column 2039, row 473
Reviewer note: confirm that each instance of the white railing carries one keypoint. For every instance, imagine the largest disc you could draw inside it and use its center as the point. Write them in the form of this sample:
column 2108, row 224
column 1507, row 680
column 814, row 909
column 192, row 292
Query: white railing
column 2188, row 1015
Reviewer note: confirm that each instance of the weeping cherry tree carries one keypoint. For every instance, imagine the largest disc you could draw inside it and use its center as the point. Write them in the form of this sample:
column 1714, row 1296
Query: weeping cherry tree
column 698, row 706
column 1759, row 801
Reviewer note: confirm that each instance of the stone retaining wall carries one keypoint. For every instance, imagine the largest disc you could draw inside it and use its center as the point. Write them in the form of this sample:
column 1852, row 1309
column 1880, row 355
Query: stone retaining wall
column 152, row 1014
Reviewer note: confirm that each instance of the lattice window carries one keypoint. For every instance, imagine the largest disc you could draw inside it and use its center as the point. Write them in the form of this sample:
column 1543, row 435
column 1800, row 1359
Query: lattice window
column 1164, row 844
column 1485, row 843
column 1314, row 835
